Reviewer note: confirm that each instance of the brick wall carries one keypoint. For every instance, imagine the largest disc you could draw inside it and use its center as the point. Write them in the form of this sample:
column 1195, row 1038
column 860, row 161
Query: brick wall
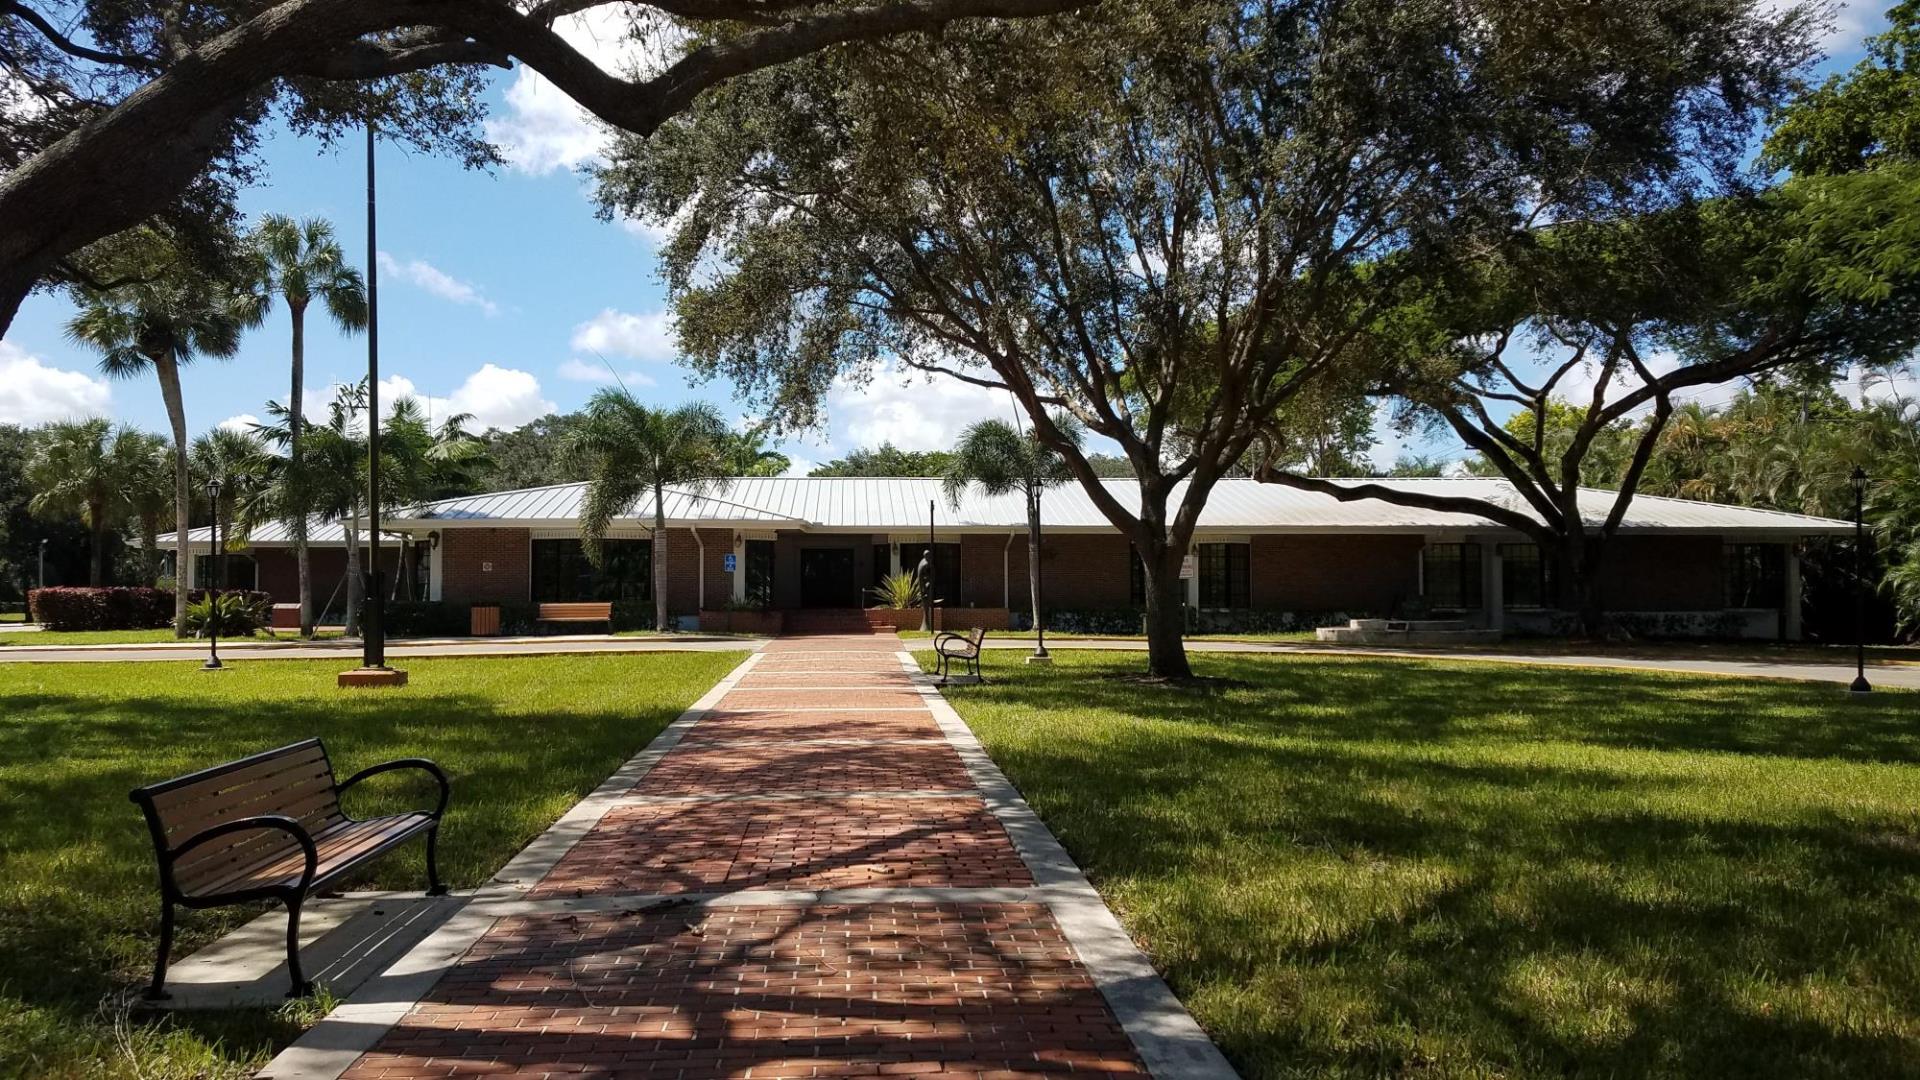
column 486, row 565
column 280, row 573
column 982, row 571
column 1664, row 573
column 1085, row 572
column 1375, row 574
column 683, row 570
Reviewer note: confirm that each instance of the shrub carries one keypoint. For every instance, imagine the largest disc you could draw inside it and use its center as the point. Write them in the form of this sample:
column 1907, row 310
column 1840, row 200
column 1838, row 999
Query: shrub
column 427, row 618
column 232, row 614
column 898, row 592
column 120, row 608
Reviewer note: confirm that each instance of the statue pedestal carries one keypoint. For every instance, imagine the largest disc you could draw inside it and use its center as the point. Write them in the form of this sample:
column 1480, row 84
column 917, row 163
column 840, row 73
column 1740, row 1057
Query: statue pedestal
column 373, row 676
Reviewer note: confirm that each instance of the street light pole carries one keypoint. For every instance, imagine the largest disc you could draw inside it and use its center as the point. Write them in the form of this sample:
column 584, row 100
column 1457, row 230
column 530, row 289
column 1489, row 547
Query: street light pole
column 1859, row 482
column 214, row 579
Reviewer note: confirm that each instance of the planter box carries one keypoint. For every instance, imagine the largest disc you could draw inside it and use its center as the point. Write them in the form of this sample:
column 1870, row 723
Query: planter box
column 880, row 618
column 767, row 623
column 979, row 618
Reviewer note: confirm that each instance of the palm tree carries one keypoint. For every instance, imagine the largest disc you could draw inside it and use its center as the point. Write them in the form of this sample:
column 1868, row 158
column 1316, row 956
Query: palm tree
column 160, row 325
column 420, row 462
column 301, row 262
column 747, row 454
column 992, row 454
column 629, row 451
column 330, row 485
column 147, row 484
column 239, row 460
column 76, row 471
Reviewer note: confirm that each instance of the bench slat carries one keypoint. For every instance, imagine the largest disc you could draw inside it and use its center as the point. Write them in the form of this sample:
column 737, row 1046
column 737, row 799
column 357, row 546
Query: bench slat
column 338, row 847
column 167, row 803
column 262, row 796
column 575, row 612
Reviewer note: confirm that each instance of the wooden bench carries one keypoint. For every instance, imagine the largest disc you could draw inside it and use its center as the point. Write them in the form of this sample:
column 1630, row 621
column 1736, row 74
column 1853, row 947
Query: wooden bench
column 270, row 827
column 965, row 648
column 577, row 612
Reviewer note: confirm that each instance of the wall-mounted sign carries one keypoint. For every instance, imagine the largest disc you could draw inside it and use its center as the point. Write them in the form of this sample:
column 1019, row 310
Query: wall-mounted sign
column 1189, row 566
column 729, row 560
column 486, row 568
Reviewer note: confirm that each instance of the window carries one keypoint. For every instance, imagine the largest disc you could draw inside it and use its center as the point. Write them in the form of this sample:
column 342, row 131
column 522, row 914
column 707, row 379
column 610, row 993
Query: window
column 562, row 573
column 946, row 582
column 1526, row 576
column 1451, row 574
column 1756, row 575
column 1224, row 572
column 238, row 572
column 760, row 573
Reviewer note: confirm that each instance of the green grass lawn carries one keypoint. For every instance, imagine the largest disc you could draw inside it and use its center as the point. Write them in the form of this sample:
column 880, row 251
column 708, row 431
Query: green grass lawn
column 1056, row 635
column 13, row 616
column 1352, row 868
column 53, row 638
column 522, row 739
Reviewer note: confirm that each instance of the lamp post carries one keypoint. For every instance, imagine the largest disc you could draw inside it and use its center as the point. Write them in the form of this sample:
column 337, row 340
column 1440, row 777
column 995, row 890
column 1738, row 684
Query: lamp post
column 43, row 570
column 1040, row 654
column 925, row 573
column 213, row 581
column 1859, row 483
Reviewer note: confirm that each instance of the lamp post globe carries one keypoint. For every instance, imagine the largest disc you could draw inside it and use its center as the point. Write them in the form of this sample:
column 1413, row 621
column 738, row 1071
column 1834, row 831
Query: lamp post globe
column 1858, row 481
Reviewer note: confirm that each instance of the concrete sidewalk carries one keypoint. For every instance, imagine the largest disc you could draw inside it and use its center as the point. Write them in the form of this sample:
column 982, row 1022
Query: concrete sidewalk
column 1887, row 675
column 815, row 872
column 347, row 649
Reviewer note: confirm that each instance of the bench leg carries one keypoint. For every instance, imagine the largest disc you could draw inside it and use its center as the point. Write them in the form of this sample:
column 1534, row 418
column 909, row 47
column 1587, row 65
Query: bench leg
column 300, row 987
column 435, row 887
column 158, row 990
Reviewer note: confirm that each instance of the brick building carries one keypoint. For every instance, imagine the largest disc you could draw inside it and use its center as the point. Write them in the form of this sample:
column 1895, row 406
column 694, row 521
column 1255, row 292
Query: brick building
column 1264, row 556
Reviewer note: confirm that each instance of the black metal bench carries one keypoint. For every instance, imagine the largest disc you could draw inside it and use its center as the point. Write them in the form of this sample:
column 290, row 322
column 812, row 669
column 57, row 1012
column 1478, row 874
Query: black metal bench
column 965, row 648
column 270, row 827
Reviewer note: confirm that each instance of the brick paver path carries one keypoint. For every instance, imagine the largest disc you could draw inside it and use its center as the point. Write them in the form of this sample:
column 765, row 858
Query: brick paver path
column 821, row 769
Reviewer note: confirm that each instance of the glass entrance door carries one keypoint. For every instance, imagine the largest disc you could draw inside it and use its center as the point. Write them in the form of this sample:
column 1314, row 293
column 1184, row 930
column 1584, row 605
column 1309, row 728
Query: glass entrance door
column 826, row 578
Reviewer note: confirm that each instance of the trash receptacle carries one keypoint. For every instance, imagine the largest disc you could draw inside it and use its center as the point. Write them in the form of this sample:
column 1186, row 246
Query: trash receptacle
column 286, row 616
column 485, row 621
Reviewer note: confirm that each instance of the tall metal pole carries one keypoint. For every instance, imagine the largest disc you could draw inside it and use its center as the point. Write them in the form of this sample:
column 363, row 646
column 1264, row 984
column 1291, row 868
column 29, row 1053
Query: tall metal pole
column 1860, row 685
column 216, row 577
column 1039, row 580
column 926, row 576
column 373, row 634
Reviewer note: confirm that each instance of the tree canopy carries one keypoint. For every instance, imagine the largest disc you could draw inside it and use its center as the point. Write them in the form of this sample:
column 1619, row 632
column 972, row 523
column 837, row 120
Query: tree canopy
column 1168, row 220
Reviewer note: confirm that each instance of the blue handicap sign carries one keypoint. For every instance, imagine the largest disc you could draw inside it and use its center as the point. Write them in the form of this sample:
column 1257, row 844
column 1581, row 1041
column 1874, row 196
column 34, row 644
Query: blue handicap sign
column 730, row 561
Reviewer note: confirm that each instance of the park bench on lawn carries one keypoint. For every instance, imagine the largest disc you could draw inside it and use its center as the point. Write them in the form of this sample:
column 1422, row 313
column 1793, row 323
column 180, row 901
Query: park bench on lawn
column 270, row 827
column 576, row 613
column 964, row 648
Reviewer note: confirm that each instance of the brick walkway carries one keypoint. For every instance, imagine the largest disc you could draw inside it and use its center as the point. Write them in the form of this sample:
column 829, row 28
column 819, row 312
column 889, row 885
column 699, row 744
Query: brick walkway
column 807, row 883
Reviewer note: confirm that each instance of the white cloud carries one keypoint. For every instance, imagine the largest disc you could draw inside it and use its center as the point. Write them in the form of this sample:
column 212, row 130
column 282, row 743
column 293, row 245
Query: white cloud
column 244, row 423
column 432, row 279
column 32, row 393
column 581, row 371
column 909, row 410
column 799, row 466
column 500, row 397
column 646, row 336
column 542, row 130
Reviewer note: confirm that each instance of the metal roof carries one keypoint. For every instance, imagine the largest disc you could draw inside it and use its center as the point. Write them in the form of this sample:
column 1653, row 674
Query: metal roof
column 901, row 504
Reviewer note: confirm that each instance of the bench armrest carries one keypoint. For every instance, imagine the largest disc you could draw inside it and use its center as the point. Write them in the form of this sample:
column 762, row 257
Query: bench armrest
column 428, row 767
column 966, row 644
column 281, row 822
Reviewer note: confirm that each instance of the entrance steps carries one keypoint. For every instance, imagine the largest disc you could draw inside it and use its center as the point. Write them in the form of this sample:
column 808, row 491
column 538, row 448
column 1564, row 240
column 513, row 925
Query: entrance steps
column 827, row 621
column 1407, row 632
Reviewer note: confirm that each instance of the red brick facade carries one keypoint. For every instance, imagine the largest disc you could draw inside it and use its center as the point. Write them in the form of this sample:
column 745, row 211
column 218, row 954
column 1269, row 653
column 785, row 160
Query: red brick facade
column 486, row 565
column 1375, row 574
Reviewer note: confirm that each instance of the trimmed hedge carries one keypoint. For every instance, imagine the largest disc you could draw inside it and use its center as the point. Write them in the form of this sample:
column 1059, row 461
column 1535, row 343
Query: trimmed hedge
column 115, row 608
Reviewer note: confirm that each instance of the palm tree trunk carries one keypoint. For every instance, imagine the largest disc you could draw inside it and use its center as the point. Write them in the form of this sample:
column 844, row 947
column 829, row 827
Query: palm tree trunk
column 296, row 420
column 168, row 371
column 356, row 588
column 658, row 556
column 149, row 547
column 97, row 527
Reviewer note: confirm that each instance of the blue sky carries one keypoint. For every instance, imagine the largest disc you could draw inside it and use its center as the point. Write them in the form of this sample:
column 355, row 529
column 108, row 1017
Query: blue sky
column 500, row 295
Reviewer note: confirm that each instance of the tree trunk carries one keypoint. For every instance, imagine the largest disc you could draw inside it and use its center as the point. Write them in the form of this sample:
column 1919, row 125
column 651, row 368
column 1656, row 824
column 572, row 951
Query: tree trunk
column 168, row 369
column 296, row 424
column 97, row 530
column 1579, row 565
column 1166, row 616
column 658, row 556
column 356, row 589
column 1033, row 575
column 149, row 547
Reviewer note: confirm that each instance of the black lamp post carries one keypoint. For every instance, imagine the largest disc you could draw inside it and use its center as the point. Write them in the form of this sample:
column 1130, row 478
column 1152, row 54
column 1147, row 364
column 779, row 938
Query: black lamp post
column 213, row 581
column 1859, row 483
column 1040, row 654
column 925, row 573
column 43, row 569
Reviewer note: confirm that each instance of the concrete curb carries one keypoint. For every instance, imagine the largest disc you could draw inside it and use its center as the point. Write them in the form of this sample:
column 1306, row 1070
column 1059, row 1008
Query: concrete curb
column 1168, row 1039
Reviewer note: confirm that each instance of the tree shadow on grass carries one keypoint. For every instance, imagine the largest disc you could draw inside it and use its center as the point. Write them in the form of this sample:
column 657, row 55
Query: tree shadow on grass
column 1368, row 879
